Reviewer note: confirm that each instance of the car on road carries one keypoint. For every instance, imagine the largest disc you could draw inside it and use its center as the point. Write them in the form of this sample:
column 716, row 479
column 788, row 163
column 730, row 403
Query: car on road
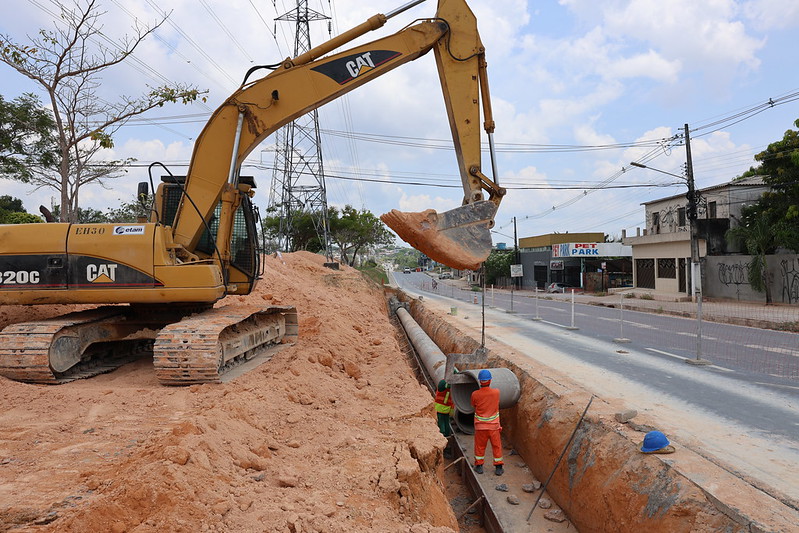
column 406, row 270
column 559, row 287
column 445, row 275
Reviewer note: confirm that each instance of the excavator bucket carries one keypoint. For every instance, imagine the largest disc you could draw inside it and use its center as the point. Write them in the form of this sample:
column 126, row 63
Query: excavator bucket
column 459, row 238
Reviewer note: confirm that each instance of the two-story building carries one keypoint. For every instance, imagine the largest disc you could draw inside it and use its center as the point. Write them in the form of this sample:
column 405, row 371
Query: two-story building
column 662, row 254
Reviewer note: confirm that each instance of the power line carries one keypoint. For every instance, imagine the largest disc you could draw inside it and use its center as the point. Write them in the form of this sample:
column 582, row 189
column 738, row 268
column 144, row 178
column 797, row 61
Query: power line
column 745, row 114
column 172, row 48
column 191, row 41
column 226, row 30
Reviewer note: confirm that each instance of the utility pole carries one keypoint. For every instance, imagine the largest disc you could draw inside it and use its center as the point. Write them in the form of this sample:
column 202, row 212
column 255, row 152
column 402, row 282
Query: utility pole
column 298, row 180
column 516, row 258
column 696, row 267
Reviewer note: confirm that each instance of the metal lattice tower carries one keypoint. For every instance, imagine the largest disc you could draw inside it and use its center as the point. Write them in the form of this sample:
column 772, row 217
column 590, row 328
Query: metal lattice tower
column 298, row 180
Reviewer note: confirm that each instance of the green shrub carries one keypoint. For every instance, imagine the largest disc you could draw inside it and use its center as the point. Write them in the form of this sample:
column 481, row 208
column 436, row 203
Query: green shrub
column 19, row 218
column 647, row 296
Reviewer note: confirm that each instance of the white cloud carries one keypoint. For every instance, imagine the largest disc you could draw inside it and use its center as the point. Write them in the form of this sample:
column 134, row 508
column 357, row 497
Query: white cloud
column 421, row 202
column 772, row 14
column 699, row 36
column 649, row 65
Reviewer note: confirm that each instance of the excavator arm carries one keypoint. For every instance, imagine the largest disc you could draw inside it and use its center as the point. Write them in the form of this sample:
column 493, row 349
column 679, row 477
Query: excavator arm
column 459, row 238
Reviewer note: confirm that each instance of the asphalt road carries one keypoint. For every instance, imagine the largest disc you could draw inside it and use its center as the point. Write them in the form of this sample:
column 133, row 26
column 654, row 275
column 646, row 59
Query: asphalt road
column 714, row 404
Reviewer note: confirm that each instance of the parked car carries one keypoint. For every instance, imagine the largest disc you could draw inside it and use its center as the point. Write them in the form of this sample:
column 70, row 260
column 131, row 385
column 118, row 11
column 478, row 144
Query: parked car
column 559, row 287
column 407, row 270
column 445, row 275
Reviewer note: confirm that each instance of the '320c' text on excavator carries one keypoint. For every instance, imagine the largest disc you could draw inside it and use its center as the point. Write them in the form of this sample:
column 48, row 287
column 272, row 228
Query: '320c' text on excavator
column 200, row 243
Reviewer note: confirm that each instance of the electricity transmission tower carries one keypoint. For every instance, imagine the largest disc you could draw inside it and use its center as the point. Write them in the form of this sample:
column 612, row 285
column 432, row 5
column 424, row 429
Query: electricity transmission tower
column 298, row 180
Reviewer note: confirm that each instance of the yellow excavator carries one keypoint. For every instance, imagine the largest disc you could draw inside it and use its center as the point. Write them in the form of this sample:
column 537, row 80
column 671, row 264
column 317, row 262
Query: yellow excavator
column 200, row 242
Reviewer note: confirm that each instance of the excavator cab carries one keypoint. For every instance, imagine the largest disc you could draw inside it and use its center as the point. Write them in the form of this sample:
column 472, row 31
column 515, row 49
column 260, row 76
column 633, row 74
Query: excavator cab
column 244, row 266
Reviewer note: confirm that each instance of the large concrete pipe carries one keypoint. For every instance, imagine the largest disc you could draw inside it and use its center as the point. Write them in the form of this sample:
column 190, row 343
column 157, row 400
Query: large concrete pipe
column 435, row 362
column 433, row 358
column 501, row 378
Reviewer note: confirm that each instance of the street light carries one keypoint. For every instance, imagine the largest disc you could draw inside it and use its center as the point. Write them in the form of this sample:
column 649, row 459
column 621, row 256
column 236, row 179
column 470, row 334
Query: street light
column 639, row 165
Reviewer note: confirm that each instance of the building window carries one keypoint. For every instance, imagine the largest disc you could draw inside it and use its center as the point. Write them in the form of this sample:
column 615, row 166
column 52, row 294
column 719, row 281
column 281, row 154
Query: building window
column 681, row 216
column 711, row 210
column 667, row 268
column 655, row 222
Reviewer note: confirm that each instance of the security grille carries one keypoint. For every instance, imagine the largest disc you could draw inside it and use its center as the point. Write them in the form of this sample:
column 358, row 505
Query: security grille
column 645, row 273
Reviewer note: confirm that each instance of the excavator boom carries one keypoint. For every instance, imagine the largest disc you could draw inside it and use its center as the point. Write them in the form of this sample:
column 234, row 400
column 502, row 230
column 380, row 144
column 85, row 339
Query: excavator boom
column 307, row 82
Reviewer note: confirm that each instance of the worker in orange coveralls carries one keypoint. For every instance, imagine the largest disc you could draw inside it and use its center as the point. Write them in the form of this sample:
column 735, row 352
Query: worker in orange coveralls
column 485, row 401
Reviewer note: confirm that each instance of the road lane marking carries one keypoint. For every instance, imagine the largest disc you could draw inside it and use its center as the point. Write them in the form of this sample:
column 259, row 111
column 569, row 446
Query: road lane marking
column 687, row 358
column 777, row 385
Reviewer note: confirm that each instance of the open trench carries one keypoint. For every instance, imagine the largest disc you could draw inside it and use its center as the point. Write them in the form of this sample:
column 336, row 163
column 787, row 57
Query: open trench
column 602, row 483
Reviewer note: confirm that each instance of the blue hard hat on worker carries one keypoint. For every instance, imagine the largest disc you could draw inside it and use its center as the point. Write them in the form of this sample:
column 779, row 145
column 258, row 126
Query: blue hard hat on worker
column 484, row 376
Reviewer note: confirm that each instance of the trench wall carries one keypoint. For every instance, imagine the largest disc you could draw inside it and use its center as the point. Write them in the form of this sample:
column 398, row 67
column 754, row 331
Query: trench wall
column 602, row 483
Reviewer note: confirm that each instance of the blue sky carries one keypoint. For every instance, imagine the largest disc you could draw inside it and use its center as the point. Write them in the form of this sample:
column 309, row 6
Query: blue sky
column 569, row 80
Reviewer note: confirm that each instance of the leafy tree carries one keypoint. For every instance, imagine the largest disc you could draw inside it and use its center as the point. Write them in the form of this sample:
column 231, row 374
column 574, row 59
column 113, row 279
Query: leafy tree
column 12, row 211
column 779, row 164
column 303, row 233
column 354, row 230
column 84, row 216
column 406, row 257
column 128, row 212
column 15, row 217
column 8, row 203
column 67, row 63
column 760, row 240
column 497, row 265
column 26, row 137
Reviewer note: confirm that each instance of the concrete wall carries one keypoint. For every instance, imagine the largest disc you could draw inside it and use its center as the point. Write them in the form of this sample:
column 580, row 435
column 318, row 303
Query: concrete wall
column 727, row 277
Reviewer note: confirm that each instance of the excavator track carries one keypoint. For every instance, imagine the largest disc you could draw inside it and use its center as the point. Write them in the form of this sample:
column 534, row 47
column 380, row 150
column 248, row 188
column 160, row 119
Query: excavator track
column 186, row 349
column 200, row 348
column 72, row 346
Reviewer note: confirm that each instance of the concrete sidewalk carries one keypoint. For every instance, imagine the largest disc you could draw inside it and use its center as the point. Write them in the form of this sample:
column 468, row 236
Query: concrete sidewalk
column 782, row 317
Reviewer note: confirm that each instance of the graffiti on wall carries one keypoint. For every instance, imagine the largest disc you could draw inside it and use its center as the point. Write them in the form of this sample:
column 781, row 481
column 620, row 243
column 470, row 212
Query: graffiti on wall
column 665, row 218
column 790, row 281
column 735, row 274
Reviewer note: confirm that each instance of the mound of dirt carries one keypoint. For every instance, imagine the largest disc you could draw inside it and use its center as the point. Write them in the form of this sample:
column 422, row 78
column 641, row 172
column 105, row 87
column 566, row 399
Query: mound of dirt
column 332, row 434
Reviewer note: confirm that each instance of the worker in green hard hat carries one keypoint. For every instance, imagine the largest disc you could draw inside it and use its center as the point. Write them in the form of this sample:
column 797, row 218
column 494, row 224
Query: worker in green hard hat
column 445, row 407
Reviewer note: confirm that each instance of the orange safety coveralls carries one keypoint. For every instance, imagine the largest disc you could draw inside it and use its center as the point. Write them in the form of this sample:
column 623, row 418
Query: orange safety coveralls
column 486, row 424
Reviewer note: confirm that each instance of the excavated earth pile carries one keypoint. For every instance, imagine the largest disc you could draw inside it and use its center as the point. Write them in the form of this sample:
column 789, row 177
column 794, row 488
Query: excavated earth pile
column 332, row 434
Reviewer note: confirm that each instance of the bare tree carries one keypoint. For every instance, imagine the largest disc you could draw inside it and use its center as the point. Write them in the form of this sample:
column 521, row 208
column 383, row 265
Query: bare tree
column 67, row 62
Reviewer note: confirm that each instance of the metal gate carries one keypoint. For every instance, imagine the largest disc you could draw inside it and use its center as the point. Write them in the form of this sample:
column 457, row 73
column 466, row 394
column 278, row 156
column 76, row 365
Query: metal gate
column 645, row 273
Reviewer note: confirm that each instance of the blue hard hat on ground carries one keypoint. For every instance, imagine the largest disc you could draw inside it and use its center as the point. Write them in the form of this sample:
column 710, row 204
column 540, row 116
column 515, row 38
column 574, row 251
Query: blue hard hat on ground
column 484, row 375
column 654, row 441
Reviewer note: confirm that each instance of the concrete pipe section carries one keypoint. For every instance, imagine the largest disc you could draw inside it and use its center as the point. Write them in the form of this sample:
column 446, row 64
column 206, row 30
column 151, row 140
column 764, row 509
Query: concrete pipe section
column 435, row 362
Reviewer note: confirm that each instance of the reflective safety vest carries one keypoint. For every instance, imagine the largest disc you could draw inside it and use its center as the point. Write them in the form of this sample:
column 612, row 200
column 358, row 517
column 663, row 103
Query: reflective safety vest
column 444, row 404
column 486, row 408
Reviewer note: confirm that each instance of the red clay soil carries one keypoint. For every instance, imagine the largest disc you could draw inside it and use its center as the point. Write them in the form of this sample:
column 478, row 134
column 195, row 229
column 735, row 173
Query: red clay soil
column 333, row 434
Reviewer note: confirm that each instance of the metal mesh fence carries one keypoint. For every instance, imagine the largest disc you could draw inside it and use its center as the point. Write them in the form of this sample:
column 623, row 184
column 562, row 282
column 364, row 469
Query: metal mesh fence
column 738, row 336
